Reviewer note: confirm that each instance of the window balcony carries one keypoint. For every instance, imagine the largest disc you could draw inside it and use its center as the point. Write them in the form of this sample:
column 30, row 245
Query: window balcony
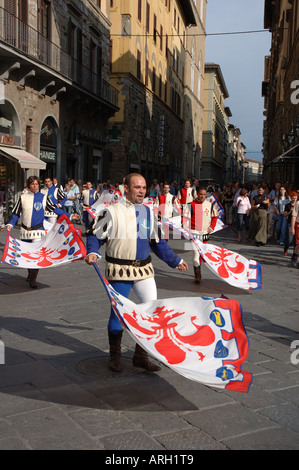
column 21, row 42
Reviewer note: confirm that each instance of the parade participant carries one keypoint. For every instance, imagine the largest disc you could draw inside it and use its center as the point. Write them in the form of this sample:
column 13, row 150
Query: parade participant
column 167, row 206
column 130, row 231
column 166, row 202
column 187, row 193
column 203, row 216
column 295, row 232
column 31, row 208
column 56, row 184
column 121, row 187
column 185, row 196
column 88, row 197
column 56, row 195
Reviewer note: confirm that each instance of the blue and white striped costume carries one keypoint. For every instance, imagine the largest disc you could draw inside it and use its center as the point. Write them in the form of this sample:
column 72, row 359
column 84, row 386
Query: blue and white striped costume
column 88, row 197
column 55, row 195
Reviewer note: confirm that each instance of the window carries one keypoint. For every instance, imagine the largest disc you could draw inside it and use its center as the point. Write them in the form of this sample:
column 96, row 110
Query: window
column 166, row 46
column 111, row 50
column 155, row 29
column 138, row 64
column 161, row 38
column 139, row 9
column 147, row 18
column 146, row 72
column 160, row 86
column 154, row 79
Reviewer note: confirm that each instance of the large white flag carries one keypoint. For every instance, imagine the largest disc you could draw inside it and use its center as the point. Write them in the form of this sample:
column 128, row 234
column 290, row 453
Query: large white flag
column 202, row 339
column 62, row 244
column 232, row 267
column 108, row 197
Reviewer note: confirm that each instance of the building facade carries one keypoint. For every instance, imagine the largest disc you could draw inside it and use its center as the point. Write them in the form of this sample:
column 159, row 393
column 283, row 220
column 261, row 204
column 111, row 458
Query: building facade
column 215, row 125
column 193, row 93
column 148, row 56
column 280, row 90
column 55, row 93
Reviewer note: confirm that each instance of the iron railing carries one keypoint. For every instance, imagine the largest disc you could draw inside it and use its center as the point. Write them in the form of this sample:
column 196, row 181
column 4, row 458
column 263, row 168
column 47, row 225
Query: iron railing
column 33, row 44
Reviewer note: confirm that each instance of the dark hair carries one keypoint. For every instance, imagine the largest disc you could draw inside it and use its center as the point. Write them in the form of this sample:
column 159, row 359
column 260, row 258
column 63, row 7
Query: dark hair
column 243, row 192
column 31, row 179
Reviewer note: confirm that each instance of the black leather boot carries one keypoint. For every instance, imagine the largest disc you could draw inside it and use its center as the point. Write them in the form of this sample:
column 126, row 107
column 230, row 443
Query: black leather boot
column 32, row 278
column 115, row 351
column 140, row 359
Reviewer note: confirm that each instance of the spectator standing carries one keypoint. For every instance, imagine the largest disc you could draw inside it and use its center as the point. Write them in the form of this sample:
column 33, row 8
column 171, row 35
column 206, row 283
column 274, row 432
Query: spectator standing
column 295, row 232
column 243, row 207
column 272, row 196
column 287, row 220
column 279, row 205
column 70, row 197
column 228, row 205
column 258, row 231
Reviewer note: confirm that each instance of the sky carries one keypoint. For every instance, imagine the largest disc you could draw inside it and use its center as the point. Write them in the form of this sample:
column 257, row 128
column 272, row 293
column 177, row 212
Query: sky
column 241, row 58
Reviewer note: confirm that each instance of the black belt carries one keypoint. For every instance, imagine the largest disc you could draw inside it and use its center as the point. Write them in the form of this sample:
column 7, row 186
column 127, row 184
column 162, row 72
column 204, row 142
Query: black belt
column 36, row 227
column 129, row 262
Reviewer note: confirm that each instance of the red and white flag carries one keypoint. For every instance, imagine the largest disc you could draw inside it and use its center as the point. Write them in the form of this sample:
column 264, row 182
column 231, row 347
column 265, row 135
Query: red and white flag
column 62, row 244
column 232, row 267
column 202, row 339
column 108, row 197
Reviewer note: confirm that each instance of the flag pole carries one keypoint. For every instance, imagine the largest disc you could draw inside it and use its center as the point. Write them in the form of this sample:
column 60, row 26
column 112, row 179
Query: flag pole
column 104, row 281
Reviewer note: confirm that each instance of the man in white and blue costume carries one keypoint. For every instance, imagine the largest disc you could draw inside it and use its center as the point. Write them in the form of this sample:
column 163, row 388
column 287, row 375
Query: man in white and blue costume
column 130, row 231
column 30, row 208
column 57, row 197
column 88, row 197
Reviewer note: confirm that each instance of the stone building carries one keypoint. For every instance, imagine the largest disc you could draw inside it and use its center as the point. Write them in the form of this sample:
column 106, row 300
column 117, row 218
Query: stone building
column 193, row 93
column 148, row 57
column 215, row 125
column 55, row 93
column 280, row 90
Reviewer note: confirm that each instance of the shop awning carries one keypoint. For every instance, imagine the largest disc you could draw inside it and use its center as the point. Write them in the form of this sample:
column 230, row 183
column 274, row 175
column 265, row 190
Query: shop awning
column 25, row 159
column 285, row 156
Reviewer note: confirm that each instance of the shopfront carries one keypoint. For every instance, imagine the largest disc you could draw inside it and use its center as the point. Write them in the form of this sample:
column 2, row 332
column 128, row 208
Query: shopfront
column 15, row 162
column 49, row 149
column 15, row 166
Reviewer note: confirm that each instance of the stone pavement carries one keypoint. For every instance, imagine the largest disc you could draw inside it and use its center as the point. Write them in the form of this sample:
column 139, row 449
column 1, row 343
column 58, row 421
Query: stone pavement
column 57, row 393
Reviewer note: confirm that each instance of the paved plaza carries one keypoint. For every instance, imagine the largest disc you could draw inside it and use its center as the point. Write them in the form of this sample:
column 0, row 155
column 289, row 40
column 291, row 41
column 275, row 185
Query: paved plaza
column 56, row 391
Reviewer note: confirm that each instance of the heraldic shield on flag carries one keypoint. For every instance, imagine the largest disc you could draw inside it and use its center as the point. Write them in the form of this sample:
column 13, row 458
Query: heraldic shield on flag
column 202, row 339
column 62, row 244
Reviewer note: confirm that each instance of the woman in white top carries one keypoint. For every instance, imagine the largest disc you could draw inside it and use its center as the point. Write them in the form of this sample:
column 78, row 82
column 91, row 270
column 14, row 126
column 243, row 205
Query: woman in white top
column 244, row 206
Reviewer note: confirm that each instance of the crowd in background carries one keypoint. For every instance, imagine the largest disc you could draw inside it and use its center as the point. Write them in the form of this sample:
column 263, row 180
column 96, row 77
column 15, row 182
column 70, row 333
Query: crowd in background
column 262, row 212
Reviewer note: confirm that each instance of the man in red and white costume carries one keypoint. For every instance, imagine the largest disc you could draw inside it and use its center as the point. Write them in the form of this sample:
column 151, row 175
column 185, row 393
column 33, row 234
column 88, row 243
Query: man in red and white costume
column 186, row 195
column 167, row 206
column 203, row 219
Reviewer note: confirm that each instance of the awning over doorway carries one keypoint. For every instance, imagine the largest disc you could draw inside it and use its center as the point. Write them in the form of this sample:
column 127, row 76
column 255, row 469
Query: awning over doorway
column 285, row 156
column 25, row 159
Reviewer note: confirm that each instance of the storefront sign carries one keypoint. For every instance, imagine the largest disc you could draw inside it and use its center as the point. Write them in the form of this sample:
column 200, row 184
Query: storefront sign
column 48, row 156
column 7, row 140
